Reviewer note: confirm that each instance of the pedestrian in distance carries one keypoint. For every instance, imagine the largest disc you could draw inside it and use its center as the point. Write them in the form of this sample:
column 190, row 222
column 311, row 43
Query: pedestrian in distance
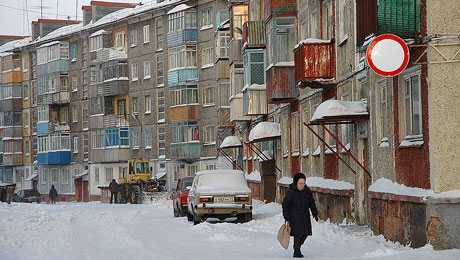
column 113, row 186
column 297, row 205
column 53, row 194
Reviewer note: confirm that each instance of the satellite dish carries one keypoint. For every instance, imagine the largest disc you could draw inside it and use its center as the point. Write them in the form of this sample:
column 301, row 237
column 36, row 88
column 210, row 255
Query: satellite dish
column 388, row 55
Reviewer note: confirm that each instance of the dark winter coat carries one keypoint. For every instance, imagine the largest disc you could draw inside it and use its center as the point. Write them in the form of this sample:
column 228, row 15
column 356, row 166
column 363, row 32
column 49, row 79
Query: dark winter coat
column 296, row 206
column 113, row 186
column 53, row 193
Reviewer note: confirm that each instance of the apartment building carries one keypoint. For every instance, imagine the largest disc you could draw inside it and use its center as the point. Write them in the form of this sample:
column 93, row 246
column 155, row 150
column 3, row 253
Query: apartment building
column 313, row 54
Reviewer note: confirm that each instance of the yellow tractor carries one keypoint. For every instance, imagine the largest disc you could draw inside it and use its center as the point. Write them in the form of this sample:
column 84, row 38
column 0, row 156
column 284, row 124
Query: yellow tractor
column 137, row 181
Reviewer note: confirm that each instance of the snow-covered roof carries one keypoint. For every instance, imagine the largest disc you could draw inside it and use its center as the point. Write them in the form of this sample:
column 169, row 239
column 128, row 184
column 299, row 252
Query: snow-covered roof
column 160, row 174
column 310, row 41
column 100, row 32
column 49, row 44
column 253, row 176
column 254, row 87
column 231, row 142
column 80, row 175
column 179, row 8
column 31, row 177
column 63, row 31
column 265, row 130
column 384, row 185
column 340, row 108
column 9, row 46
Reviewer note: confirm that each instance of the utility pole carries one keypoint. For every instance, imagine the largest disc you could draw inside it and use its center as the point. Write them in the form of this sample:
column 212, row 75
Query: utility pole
column 76, row 10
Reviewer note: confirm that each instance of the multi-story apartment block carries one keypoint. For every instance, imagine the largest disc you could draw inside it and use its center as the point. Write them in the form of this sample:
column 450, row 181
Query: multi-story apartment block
column 131, row 81
column 314, row 51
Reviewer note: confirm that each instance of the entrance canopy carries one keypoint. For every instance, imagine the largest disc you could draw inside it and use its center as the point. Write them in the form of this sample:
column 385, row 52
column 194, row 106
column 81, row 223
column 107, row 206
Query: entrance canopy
column 231, row 142
column 80, row 175
column 31, row 177
column 339, row 111
column 265, row 131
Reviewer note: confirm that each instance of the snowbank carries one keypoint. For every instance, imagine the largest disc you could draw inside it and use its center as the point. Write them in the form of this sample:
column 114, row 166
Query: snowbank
column 384, row 185
column 336, row 108
column 329, row 184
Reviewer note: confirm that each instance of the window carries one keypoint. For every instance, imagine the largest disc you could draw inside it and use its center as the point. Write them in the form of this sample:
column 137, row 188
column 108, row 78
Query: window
column 161, row 106
column 295, row 132
column 134, row 38
column 191, row 170
column 185, row 133
column 159, row 33
column 134, row 105
column 223, row 40
column 343, row 25
column 206, row 19
column 207, row 57
column 85, row 84
column 65, row 176
column 123, row 171
column 120, row 39
column 108, row 174
column 182, row 95
column 85, row 146
column 161, row 141
column 210, row 134
column 84, row 53
column 382, row 112
column 96, row 175
column 54, row 175
column 240, row 16
column 95, row 42
column 18, row 175
column 85, row 116
column 146, row 69
column 74, row 84
column 224, row 94
column 284, row 127
column 134, row 72
column 26, row 147
column 148, row 139
column 26, row 92
column 73, row 53
column 146, row 30
column 328, row 25
column 43, row 114
column 124, row 137
column 147, row 105
column 182, row 20
column 182, row 56
column 74, row 114
column 135, row 140
column 26, row 119
column 160, row 70
column 176, row 171
column 210, row 167
column 209, row 95
column 44, row 177
column 97, row 139
column 412, row 105
column 346, row 129
column 75, row 144
column 281, row 39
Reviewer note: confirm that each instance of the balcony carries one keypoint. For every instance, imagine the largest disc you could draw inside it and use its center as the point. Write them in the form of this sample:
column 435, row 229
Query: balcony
column 234, row 51
column 10, row 159
column 190, row 150
column 12, row 76
column 274, row 8
column 223, row 69
column 180, row 76
column 182, row 36
column 11, row 104
column 54, row 157
column 12, row 132
column 184, row 112
column 223, row 115
column 397, row 17
column 236, row 109
column 115, row 121
column 106, row 155
column 60, row 96
column 54, row 66
column 116, row 86
column 255, row 100
column 253, row 34
column 281, row 87
column 314, row 63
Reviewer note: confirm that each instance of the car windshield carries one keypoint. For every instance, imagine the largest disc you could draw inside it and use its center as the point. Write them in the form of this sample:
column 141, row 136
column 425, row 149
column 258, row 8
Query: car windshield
column 31, row 193
column 222, row 180
column 186, row 182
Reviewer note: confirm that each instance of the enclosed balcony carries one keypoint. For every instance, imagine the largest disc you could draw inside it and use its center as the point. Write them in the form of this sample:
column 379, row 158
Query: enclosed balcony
column 12, row 151
column 110, row 145
column 184, row 112
column 11, row 124
column 274, row 8
column 182, row 65
column 236, row 109
column 281, row 87
column 223, row 116
column 54, row 149
column 114, row 154
column 10, row 159
column 10, row 97
column 254, row 91
column 185, row 142
column 11, row 68
column 52, row 58
column 111, row 121
column 314, row 63
column 253, row 34
column 182, row 25
column 185, row 151
column 116, row 81
column 398, row 17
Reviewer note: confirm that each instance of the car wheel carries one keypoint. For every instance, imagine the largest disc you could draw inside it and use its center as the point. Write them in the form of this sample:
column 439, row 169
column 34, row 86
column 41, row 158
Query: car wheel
column 196, row 219
column 189, row 216
column 182, row 213
column 246, row 217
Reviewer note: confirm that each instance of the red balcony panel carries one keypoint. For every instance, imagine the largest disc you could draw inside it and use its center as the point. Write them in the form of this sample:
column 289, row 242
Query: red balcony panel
column 281, row 87
column 314, row 63
column 279, row 8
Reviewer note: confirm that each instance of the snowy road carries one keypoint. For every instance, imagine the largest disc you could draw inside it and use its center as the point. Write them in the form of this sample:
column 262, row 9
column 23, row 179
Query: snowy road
column 104, row 231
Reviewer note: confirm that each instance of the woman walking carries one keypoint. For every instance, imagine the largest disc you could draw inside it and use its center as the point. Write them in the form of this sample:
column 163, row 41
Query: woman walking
column 297, row 205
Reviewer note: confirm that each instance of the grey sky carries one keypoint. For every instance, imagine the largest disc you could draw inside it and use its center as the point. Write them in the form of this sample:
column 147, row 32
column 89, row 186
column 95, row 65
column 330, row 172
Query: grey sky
column 15, row 21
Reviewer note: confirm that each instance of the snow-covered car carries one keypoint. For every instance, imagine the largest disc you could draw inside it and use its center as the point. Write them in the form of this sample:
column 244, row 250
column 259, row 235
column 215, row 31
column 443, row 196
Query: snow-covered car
column 219, row 194
column 181, row 195
column 29, row 195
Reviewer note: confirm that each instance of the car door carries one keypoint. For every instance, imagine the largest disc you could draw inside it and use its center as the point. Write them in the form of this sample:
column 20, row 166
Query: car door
column 192, row 194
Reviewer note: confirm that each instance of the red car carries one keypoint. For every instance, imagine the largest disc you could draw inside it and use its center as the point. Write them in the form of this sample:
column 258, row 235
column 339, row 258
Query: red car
column 181, row 195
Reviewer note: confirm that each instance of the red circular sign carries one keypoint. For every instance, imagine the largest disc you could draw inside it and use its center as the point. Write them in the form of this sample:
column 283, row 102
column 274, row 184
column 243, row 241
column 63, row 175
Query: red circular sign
column 388, row 55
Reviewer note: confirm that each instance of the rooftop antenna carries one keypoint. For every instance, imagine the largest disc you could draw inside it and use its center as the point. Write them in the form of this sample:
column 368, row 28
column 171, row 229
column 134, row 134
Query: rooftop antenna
column 57, row 9
column 76, row 10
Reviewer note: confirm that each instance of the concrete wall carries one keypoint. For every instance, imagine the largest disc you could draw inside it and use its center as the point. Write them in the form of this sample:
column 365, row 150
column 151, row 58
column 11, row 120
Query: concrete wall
column 444, row 103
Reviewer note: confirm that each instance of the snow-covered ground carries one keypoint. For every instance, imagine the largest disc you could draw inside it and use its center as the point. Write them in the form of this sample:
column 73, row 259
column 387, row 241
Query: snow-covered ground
column 149, row 231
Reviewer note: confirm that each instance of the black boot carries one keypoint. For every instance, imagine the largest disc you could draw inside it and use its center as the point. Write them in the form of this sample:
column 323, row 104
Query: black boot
column 297, row 253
